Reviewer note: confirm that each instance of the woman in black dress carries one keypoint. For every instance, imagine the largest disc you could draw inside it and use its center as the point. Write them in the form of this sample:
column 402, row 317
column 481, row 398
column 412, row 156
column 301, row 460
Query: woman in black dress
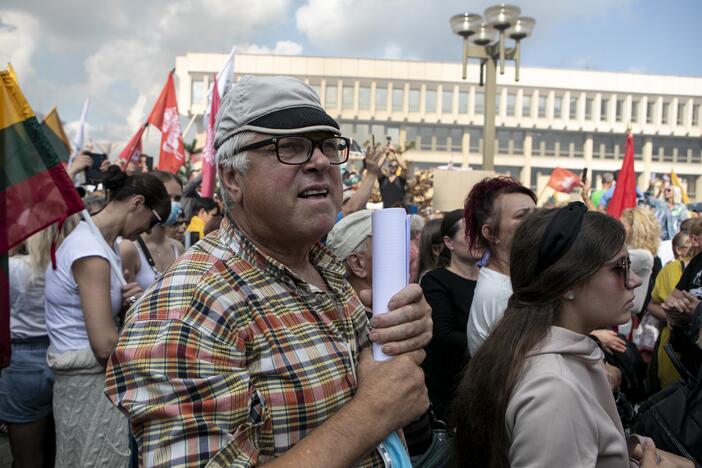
column 449, row 290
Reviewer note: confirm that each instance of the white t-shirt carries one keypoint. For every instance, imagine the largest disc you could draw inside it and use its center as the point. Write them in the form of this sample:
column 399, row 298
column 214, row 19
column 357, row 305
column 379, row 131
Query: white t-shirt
column 64, row 316
column 26, row 300
column 492, row 292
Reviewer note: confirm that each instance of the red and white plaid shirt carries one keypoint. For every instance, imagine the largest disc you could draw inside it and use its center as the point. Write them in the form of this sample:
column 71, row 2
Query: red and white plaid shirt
column 230, row 359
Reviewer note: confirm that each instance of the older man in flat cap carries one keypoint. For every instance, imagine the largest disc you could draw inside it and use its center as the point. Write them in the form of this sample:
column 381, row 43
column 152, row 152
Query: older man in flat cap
column 350, row 241
column 252, row 348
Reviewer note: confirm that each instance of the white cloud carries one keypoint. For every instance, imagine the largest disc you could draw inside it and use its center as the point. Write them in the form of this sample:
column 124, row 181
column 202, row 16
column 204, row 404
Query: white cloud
column 372, row 28
column 18, row 33
column 281, row 48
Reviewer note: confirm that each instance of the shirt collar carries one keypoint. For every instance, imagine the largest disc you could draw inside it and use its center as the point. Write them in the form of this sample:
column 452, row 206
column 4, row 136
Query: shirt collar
column 331, row 269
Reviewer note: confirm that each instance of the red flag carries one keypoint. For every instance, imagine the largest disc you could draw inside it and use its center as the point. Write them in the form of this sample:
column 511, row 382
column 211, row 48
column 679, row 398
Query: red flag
column 164, row 116
column 208, row 154
column 132, row 151
column 625, row 191
column 563, row 180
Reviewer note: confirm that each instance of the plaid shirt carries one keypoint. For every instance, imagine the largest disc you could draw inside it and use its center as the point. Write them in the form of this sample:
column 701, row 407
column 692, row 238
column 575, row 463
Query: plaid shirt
column 230, row 358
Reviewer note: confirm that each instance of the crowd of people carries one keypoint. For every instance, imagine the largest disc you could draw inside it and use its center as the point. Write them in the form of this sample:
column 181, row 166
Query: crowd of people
column 172, row 329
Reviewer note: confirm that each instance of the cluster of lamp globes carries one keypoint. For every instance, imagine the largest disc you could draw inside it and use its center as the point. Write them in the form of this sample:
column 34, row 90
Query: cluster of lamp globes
column 498, row 19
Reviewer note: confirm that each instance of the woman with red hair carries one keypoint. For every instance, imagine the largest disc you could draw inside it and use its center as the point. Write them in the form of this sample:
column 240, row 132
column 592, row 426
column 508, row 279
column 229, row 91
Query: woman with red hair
column 493, row 210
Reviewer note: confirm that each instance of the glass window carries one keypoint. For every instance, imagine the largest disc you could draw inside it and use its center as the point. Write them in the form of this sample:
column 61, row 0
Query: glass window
column 463, row 102
column 558, row 107
column 364, row 98
column 347, row 96
column 680, row 112
column 503, row 137
column 479, row 101
column 695, row 115
column 330, row 99
column 537, row 144
column 362, row 134
column 442, row 134
column 414, row 100
column 398, row 99
column 447, row 101
column 518, row 142
column 430, row 101
column 604, row 103
column 542, row 106
column 476, row 135
column 456, row 139
column 316, row 89
column 573, row 110
column 650, row 108
column 619, row 111
column 588, row 108
column 198, row 92
column 511, row 98
column 381, row 98
column 411, row 134
column 425, row 133
column 634, row 111
column 664, row 113
column 378, row 132
column 526, row 105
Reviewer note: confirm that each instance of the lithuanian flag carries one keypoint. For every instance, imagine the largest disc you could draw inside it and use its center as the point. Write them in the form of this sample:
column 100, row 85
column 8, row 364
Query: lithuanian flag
column 35, row 189
column 53, row 129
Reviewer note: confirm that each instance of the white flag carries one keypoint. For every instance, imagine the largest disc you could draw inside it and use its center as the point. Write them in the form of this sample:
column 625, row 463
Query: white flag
column 80, row 134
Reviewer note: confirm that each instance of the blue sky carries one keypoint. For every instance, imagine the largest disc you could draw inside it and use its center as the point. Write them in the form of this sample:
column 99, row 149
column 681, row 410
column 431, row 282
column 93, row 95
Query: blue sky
column 119, row 53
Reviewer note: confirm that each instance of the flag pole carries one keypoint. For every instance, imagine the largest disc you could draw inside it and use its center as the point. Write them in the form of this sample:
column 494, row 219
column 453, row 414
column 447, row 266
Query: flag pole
column 96, row 232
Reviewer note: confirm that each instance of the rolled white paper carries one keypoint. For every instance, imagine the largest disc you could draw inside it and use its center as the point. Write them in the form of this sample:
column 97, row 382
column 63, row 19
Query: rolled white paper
column 390, row 243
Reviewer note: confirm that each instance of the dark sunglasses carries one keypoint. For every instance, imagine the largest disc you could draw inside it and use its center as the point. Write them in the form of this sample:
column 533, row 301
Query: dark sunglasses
column 155, row 219
column 624, row 266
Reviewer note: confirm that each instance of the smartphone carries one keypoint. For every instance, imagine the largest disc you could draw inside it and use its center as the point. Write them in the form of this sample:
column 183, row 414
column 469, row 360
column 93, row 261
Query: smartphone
column 93, row 174
column 583, row 175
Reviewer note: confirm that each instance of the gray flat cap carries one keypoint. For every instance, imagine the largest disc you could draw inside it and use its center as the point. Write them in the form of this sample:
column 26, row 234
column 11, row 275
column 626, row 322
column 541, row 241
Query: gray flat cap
column 274, row 105
column 349, row 232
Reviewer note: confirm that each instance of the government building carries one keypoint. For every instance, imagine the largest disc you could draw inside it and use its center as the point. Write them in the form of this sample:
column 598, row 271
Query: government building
column 551, row 118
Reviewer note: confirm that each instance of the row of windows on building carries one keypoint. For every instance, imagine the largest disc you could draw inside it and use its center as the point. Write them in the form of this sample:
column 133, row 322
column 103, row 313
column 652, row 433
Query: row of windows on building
column 511, row 141
column 533, row 103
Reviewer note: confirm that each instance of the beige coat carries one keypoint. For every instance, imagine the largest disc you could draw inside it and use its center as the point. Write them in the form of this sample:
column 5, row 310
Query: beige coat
column 562, row 412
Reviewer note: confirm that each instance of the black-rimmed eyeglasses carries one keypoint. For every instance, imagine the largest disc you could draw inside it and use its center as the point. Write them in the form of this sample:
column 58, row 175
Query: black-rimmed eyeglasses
column 297, row 150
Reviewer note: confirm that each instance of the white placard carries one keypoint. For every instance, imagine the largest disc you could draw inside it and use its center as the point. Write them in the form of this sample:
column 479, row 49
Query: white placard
column 391, row 236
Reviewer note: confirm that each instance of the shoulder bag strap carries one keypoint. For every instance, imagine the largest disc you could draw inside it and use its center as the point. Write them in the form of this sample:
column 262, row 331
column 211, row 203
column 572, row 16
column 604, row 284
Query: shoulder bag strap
column 147, row 254
column 682, row 370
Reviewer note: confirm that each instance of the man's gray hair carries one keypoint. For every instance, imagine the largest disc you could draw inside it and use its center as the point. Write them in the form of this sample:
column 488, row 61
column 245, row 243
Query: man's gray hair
column 228, row 156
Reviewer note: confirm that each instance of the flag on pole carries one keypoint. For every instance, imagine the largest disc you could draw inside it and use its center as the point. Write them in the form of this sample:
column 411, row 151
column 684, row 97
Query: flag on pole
column 164, row 116
column 563, row 180
column 209, row 169
column 625, row 191
column 53, row 129
column 80, row 134
column 132, row 151
column 220, row 85
column 35, row 190
column 675, row 180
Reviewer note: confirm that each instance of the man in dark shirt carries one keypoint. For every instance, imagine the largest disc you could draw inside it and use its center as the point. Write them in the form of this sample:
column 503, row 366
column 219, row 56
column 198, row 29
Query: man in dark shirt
column 392, row 186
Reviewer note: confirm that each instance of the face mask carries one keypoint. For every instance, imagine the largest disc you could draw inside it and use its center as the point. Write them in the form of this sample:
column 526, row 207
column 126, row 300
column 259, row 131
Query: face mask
column 176, row 210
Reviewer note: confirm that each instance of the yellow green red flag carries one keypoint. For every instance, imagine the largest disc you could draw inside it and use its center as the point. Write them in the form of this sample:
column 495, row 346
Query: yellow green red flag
column 35, row 189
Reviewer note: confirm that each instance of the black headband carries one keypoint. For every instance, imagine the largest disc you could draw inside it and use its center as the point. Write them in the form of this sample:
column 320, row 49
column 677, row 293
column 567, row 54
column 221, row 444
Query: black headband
column 560, row 234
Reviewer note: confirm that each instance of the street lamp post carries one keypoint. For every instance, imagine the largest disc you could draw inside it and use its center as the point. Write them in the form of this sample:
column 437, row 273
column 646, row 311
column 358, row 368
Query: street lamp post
column 485, row 40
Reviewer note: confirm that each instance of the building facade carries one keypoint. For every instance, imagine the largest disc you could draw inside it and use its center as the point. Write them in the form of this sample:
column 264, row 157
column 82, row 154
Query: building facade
column 551, row 118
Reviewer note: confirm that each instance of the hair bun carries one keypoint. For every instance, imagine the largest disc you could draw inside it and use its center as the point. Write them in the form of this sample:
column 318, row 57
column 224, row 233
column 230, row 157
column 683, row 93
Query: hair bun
column 114, row 178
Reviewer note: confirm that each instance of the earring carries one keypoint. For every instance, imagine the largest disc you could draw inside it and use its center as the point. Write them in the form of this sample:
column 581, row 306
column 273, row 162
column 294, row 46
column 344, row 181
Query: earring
column 570, row 296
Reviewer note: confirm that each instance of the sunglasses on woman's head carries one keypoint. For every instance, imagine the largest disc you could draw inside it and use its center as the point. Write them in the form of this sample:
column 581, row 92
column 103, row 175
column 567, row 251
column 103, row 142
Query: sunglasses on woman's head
column 155, row 219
